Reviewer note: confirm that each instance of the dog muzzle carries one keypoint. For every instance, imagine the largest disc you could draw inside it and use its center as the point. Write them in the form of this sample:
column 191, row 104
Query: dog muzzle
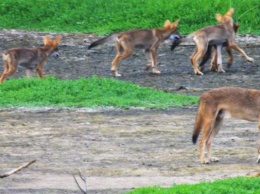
column 174, row 37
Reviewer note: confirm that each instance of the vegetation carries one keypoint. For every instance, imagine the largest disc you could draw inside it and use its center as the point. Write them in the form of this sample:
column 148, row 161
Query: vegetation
column 240, row 185
column 91, row 92
column 106, row 16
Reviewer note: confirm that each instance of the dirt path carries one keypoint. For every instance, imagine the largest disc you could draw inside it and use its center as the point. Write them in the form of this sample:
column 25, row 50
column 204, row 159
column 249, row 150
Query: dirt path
column 115, row 149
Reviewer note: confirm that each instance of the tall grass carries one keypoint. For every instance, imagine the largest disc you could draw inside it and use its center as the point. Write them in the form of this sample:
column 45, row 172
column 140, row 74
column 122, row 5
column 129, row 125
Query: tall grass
column 240, row 185
column 106, row 16
column 90, row 92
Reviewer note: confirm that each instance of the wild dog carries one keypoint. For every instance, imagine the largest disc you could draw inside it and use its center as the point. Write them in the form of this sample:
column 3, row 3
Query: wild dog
column 29, row 58
column 215, row 35
column 214, row 105
column 213, row 64
column 147, row 39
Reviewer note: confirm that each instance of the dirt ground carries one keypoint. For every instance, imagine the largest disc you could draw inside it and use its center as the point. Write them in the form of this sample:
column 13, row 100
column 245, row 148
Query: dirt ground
column 118, row 150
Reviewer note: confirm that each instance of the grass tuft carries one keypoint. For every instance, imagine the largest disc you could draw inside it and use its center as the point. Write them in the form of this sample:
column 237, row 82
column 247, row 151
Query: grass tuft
column 86, row 92
column 239, row 185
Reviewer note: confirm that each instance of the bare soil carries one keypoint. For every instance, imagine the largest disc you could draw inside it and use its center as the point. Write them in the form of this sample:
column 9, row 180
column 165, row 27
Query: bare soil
column 120, row 149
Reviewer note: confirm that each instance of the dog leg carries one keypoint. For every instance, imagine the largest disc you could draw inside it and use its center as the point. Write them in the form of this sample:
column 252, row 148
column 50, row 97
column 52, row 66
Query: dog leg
column 127, row 51
column 230, row 59
column 218, row 123
column 205, row 141
column 116, row 59
column 194, row 61
column 205, row 58
column 219, row 58
column 39, row 71
column 9, row 69
column 154, row 62
column 206, row 128
column 4, row 72
column 197, row 55
column 241, row 51
column 28, row 73
column 148, row 57
column 213, row 63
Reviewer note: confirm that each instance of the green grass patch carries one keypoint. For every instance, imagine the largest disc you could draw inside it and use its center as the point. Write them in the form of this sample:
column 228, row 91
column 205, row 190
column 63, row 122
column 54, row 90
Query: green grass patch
column 86, row 92
column 106, row 16
column 240, row 185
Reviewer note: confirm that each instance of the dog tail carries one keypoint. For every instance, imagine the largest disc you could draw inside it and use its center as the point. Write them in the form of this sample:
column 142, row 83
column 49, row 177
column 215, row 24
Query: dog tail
column 206, row 56
column 102, row 41
column 198, row 123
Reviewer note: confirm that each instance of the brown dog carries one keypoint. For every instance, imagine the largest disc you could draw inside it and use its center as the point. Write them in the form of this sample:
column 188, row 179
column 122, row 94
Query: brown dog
column 148, row 39
column 213, row 64
column 214, row 105
column 30, row 58
column 215, row 35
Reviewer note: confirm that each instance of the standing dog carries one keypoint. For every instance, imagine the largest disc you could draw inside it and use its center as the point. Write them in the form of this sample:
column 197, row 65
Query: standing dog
column 30, row 58
column 147, row 39
column 214, row 105
column 216, row 35
column 213, row 64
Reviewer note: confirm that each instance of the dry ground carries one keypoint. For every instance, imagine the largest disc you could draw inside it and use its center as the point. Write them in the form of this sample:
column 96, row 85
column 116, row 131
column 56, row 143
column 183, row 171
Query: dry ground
column 116, row 149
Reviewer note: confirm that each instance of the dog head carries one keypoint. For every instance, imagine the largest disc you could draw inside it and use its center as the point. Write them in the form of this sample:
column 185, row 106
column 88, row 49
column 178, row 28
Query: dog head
column 53, row 45
column 227, row 18
column 172, row 30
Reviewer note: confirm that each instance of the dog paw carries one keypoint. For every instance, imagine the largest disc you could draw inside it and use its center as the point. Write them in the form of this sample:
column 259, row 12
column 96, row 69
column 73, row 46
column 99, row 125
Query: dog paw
column 221, row 71
column 198, row 73
column 116, row 74
column 205, row 161
column 214, row 159
column 250, row 59
column 155, row 71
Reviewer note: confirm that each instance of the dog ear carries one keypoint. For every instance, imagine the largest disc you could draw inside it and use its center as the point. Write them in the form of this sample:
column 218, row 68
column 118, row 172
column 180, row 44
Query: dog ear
column 219, row 17
column 230, row 12
column 175, row 24
column 47, row 40
column 56, row 41
column 167, row 24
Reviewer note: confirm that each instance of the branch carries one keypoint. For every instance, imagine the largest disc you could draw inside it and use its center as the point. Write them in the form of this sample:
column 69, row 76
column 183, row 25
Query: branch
column 17, row 169
column 84, row 180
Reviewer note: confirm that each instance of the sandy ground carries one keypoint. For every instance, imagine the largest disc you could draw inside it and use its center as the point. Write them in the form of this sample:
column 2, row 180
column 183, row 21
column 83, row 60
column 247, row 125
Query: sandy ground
column 117, row 150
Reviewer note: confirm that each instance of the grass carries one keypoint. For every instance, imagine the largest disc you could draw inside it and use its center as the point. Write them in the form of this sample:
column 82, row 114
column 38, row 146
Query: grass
column 86, row 92
column 107, row 16
column 239, row 185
